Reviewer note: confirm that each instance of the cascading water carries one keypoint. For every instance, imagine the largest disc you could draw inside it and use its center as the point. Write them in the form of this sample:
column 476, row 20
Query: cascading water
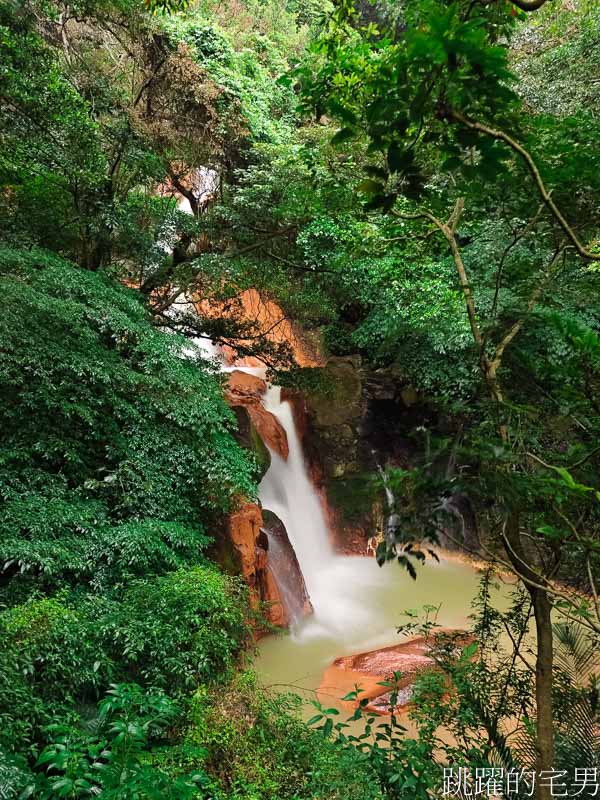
column 357, row 605
column 337, row 585
column 286, row 490
column 392, row 520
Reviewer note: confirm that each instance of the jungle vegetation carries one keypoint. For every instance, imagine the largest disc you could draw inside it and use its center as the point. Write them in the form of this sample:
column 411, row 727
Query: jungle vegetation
column 418, row 181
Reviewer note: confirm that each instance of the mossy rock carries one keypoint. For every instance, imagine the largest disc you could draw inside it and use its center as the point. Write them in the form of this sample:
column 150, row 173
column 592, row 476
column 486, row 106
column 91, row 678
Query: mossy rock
column 248, row 437
column 354, row 496
column 342, row 401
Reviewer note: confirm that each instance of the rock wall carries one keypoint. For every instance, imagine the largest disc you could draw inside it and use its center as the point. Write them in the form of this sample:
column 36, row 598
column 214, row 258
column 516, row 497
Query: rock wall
column 362, row 419
column 244, row 549
column 254, row 540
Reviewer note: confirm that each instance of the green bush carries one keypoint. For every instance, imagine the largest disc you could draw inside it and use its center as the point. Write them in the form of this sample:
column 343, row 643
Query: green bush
column 58, row 654
column 49, row 660
column 179, row 630
column 256, row 747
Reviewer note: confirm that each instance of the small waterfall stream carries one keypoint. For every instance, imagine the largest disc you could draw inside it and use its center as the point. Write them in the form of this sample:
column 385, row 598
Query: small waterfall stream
column 287, row 490
column 357, row 605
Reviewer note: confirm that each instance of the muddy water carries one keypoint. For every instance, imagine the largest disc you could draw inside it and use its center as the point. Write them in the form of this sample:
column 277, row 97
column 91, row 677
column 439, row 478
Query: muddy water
column 374, row 599
column 358, row 605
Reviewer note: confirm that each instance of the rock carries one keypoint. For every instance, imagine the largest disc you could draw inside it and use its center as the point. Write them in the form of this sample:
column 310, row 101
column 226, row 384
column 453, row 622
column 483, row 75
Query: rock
column 265, row 320
column 335, row 416
column 244, row 389
column 243, row 528
column 246, row 551
column 408, row 657
column 409, row 396
column 368, row 670
column 247, row 390
column 248, row 437
column 284, row 568
column 342, row 401
column 270, row 430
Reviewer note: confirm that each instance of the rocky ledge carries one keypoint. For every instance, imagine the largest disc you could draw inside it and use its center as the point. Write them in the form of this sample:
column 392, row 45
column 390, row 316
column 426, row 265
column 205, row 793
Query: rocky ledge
column 368, row 670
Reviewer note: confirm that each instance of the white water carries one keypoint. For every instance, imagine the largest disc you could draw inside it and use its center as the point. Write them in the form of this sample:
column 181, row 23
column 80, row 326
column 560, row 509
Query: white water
column 348, row 593
column 335, row 584
column 357, row 605
column 286, row 490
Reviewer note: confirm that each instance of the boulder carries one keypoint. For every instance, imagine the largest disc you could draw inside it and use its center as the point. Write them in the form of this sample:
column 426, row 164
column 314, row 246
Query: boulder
column 270, row 430
column 335, row 415
column 245, row 550
column 284, row 567
column 368, row 670
column 246, row 391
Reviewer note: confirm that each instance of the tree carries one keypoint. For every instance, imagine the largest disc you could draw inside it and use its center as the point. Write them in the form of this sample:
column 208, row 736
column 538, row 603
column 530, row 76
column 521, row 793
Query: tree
column 431, row 94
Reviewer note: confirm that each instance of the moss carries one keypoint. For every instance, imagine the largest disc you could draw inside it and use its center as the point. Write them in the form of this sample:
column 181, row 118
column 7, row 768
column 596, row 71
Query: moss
column 353, row 496
column 342, row 399
column 248, row 437
column 260, row 450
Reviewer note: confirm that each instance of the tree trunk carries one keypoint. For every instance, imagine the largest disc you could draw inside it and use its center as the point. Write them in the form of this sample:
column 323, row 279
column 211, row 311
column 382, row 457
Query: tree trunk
column 542, row 609
column 543, row 688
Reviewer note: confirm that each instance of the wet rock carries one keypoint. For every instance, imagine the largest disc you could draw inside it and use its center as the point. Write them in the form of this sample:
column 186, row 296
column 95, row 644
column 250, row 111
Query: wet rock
column 244, row 390
column 368, row 670
column 244, row 550
column 270, row 430
column 284, row 568
column 248, row 437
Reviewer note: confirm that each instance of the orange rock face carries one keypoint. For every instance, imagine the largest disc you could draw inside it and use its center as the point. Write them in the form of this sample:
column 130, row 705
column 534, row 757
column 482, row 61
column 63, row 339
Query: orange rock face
column 244, row 389
column 243, row 528
column 251, row 544
column 244, row 531
column 270, row 319
column 368, row 670
column 270, row 430
column 266, row 320
column 247, row 390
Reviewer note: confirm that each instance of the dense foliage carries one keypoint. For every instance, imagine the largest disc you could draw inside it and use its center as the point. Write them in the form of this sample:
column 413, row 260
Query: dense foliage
column 417, row 184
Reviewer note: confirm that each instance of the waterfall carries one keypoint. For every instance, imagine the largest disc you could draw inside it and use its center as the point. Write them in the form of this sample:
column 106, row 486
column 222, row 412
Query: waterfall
column 392, row 519
column 287, row 490
column 347, row 593
column 336, row 584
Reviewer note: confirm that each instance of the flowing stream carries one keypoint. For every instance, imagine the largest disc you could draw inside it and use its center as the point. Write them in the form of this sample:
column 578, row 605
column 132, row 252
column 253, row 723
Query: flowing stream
column 357, row 605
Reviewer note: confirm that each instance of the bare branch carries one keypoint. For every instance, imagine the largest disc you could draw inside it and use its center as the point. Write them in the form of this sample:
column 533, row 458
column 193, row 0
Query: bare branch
column 534, row 171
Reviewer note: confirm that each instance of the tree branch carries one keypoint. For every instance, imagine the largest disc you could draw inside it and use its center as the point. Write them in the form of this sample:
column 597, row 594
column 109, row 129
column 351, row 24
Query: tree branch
column 533, row 170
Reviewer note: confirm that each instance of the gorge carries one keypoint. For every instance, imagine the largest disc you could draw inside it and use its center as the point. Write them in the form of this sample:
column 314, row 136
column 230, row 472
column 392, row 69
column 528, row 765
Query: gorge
column 354, row 605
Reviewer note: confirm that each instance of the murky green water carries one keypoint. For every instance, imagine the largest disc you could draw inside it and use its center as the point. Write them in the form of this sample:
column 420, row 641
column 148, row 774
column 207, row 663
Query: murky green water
column 365, row 610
